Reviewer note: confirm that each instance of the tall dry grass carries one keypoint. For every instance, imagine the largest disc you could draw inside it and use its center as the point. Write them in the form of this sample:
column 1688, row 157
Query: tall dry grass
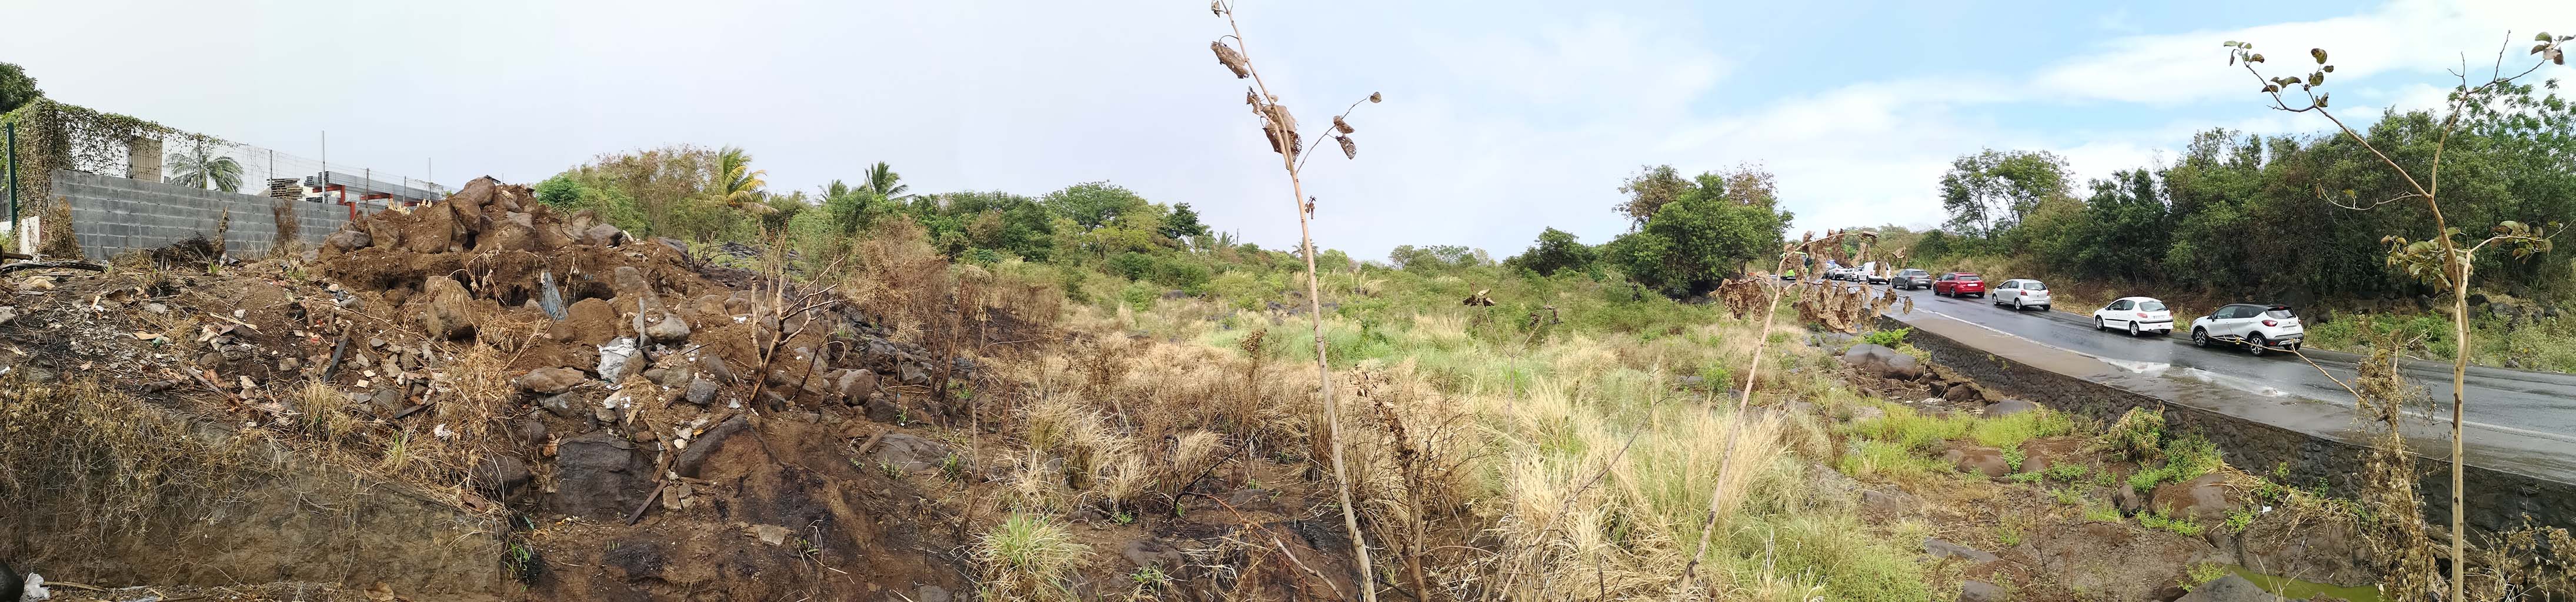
column 1575, row 467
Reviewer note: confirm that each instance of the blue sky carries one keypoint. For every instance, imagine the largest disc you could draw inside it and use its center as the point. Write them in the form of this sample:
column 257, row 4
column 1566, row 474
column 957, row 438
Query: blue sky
column 1501, row 118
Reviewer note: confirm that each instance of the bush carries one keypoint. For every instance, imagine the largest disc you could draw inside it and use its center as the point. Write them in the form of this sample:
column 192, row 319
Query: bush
column 1886, row 338
column 2135, row 436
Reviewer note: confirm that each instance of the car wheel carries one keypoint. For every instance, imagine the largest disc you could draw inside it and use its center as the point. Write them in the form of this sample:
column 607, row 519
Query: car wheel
column 2097, row 323
column 2133, row 329
column 2255, row 343
column 2199, row 338
column 2017, row 304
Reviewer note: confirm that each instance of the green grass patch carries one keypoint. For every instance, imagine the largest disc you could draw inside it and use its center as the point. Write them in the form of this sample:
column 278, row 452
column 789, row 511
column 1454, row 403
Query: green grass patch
column 1886, row 461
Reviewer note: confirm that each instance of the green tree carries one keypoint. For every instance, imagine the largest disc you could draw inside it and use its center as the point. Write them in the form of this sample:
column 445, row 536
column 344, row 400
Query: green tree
column 1648, row 191
column 1096, row 204
column 1183, row 223
column 1706, row 235
column 1555, row 251
column 16, row 89
column 200, row 167
column 1989, row 191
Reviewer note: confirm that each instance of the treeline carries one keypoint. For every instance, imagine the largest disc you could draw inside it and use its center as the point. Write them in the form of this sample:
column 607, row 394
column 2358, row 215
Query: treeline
column 706, row 195
column 2301, row 215
column 1689, row 233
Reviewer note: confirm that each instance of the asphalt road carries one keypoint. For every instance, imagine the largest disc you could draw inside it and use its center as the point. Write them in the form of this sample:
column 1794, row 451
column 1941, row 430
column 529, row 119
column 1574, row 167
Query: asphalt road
column 2517, row 420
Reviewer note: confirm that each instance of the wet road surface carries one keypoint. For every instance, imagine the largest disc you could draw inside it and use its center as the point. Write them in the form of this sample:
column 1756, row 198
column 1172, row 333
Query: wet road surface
column 2519, row 421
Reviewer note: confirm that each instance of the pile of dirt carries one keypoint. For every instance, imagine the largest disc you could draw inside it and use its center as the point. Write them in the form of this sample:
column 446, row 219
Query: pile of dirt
column 645, row 431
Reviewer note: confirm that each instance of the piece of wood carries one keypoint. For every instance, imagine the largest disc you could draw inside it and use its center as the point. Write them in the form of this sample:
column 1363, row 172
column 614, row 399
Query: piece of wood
column 649, row 500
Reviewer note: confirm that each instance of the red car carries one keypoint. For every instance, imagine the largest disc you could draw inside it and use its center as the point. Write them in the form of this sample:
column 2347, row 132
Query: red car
column 1959, row 284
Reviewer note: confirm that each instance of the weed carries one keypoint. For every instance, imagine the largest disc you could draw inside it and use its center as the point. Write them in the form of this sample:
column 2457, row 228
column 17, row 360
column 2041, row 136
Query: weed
column 1888, row 461
column 1029, row 557
column 2202, row 573
column 2102, row 512
column 2008, row 432
column 2238, row 520
column 2067, row 495
column 2157, row 520
column 2013, row 457
column 2136, row 436
column 1886, row 338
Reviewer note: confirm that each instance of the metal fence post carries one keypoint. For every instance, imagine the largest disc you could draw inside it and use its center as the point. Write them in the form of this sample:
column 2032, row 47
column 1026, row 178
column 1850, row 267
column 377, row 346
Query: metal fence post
column 12, row 136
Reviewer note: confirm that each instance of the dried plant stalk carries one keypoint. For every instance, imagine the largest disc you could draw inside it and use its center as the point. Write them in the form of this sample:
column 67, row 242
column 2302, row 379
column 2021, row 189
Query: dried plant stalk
column 1281, row 129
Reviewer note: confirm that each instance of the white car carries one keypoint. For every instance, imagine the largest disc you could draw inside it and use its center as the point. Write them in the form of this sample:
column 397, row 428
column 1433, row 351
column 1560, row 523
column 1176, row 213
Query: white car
column 2020, row 293
column 2260, row 328
column 2140, row 314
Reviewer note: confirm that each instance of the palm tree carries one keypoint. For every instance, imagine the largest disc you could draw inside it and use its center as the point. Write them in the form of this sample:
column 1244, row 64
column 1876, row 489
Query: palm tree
column 200, row 167
column 737, row 184
column 885, row 183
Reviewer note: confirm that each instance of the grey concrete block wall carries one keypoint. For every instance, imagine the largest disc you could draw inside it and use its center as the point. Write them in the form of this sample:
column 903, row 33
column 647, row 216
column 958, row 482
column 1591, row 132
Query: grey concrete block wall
column 113, row 215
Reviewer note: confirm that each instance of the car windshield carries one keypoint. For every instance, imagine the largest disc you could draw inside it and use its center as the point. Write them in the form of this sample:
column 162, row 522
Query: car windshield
column 1912, row 273
column 1968, row 278
column 2034, row 285
column 2151, row 306
column 2279, row 312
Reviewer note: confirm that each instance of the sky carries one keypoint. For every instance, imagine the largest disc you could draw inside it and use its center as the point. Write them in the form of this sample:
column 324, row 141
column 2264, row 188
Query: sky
column 1501, row 117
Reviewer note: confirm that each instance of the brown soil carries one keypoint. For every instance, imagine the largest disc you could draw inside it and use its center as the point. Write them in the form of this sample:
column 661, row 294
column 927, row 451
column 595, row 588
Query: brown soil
column 455, row 484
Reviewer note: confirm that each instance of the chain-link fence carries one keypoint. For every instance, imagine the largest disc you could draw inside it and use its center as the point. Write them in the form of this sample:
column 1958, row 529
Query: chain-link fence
column 45, row 136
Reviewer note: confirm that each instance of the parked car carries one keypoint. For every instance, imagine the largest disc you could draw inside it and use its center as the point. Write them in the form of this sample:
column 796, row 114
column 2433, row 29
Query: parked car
column 1910, row 279
column 2259, row 327
column 1956, row 284
column 2022, row 293
column 2140, row 314
column 1789, row 274
column 1872, row 276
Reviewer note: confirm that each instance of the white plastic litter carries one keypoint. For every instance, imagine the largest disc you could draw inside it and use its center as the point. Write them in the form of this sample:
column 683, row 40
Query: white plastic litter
column 35, row 589
column 614, row 356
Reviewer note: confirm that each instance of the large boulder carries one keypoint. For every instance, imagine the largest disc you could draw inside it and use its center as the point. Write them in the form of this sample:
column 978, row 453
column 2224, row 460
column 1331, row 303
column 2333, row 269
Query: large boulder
column 1981, row 460
column 348, row 240
column 1943, row 548
column 549, row 381
column 503, row 478
column 602, row 235
column 469, row 201
column 2009, row 407
column 1980, row 591
column 599, row 476
column 2205, row 500
column 910, row 453
column 511, row 231
column 1883, row 361
column 449, row 314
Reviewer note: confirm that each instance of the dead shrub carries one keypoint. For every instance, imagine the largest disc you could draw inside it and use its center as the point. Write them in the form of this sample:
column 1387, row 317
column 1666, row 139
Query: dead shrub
column 109, row 465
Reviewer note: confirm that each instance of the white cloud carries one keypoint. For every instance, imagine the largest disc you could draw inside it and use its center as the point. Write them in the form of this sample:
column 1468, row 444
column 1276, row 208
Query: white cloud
column 2402, row 36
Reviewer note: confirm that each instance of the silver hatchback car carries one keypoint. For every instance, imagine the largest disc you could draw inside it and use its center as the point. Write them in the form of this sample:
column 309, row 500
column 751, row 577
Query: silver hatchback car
column 2020, row 293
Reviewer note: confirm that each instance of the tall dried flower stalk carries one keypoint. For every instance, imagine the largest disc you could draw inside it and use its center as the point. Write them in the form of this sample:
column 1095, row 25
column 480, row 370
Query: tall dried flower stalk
column 2441, row 260
column 1281, row 129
